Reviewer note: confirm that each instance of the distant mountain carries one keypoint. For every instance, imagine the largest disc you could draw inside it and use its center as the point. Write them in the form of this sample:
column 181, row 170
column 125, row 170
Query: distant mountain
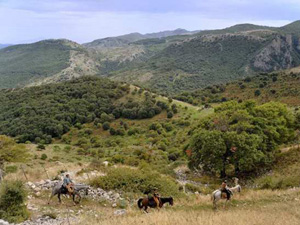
column 4, row 45
column 168, row 62
column 36, row 63
column 215, row 57
column 124, row 40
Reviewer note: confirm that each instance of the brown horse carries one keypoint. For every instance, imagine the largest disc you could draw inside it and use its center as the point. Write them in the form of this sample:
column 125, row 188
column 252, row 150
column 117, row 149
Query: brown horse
column 152, row 202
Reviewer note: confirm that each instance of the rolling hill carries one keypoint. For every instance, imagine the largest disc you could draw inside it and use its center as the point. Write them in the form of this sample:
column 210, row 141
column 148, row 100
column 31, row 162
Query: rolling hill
column 31, row 64
column 168, row 62
column 4, row 45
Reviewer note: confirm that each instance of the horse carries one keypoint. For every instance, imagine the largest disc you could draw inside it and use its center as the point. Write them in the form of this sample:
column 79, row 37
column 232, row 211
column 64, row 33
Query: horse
column 76, row 197
column 169, row 200
column 146, row 202
column 217, row 194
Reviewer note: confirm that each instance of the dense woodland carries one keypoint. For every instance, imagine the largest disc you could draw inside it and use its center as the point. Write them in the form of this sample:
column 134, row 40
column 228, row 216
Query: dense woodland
column 46, row 112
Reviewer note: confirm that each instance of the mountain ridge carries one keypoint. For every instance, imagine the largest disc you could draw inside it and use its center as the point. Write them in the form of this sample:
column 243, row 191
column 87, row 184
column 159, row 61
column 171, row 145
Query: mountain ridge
column 167, row 64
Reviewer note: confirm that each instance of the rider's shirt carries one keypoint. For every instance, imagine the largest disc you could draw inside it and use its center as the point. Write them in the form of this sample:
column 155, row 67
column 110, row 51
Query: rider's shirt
column 67, row 181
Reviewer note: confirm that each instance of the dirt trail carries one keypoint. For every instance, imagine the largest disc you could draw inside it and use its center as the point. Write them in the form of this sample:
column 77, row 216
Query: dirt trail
column 286, row 149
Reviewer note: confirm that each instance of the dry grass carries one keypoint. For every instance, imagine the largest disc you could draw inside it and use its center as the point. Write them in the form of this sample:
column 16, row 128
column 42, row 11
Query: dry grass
column 277, row 214
column 251, row 208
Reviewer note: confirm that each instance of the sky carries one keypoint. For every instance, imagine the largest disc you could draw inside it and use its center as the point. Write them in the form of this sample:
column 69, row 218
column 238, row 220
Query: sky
column 26, row 21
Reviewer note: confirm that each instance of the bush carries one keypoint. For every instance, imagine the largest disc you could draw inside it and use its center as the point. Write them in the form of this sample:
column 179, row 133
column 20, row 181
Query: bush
column 44, row 157
column 112, row 131
column 12, row 199
column 278, row 182
column 106, row 126
column 11, row 169
column 41, row 147
column 192, row 188
column 257, row 93
column 169, row 114
column 133, row 180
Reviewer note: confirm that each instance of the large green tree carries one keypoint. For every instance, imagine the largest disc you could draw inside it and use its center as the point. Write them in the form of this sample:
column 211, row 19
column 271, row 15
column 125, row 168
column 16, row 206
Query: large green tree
column 245, row 136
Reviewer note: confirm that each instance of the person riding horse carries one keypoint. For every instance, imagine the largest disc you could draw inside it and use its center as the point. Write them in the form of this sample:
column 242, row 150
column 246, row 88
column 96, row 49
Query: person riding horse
column 153, row 195
column 68, row 184
column 226, row 190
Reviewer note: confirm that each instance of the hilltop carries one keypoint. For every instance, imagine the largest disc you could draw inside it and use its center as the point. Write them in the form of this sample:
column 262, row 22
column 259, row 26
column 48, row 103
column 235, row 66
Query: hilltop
column 49, row 60
column 4, row 45
column 124, row 40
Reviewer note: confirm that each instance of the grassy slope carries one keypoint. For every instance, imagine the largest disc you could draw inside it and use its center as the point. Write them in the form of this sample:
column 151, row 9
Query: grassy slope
column 21, row 64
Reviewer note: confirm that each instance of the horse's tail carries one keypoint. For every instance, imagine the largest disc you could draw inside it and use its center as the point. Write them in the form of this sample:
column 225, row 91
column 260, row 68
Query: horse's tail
column 139, row 203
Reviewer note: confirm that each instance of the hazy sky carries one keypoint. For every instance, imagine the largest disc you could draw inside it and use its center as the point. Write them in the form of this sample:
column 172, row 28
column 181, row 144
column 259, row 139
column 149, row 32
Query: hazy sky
column 85, row 20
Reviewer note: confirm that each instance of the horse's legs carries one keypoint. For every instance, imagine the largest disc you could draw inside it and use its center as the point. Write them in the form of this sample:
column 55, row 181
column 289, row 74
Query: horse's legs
column 73, row 194
column 225, row 203
column 146, row 207
column 50, row 197
column 58, row 196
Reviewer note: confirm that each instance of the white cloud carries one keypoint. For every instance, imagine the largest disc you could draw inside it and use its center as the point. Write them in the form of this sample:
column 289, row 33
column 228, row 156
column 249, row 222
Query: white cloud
column 18, row 26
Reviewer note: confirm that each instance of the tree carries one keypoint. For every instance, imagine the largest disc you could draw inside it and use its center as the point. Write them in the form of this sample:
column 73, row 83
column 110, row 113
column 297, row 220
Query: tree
column 169, row 114
column 248, row 135
column 208, row 150
column 10, row 151
column 106, row 126
column 12, row 202
column 257, row 93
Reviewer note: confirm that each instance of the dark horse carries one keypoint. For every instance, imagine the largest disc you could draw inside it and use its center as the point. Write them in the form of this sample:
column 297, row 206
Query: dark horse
column 146, row 202
column 76, row 197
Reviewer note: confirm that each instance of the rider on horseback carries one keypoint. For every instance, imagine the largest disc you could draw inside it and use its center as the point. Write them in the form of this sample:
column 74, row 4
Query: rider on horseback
column 153, row 195
column 68, row 184
column 225, row 189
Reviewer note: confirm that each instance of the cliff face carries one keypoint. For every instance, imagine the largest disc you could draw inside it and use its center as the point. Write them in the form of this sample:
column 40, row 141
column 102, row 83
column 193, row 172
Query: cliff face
column 282, row 53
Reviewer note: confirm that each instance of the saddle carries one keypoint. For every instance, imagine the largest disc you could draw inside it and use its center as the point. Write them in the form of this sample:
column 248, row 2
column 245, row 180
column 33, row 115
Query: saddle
column 70, row 188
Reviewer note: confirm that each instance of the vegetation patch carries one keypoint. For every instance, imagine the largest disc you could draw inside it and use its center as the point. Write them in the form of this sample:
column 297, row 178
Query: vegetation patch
column 136, row 180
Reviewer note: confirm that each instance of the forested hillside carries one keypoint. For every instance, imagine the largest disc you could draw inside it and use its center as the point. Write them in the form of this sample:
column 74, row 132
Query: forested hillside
column 282, row 86
column 46, row 112
column 216, row 57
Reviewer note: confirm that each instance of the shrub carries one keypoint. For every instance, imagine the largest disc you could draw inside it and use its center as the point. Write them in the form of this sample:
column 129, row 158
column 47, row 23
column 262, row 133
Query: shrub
column 174, row 108
column 11, row 169
column 192, row 188
column 257, row 93
column 41, row 147
column 133, row 180
column 12, row 198
column 112, row 131
column 67, row 148
column 44, row 157
column 247, row 79
column 133, row 131
column 106, row 126
column 169, row 114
